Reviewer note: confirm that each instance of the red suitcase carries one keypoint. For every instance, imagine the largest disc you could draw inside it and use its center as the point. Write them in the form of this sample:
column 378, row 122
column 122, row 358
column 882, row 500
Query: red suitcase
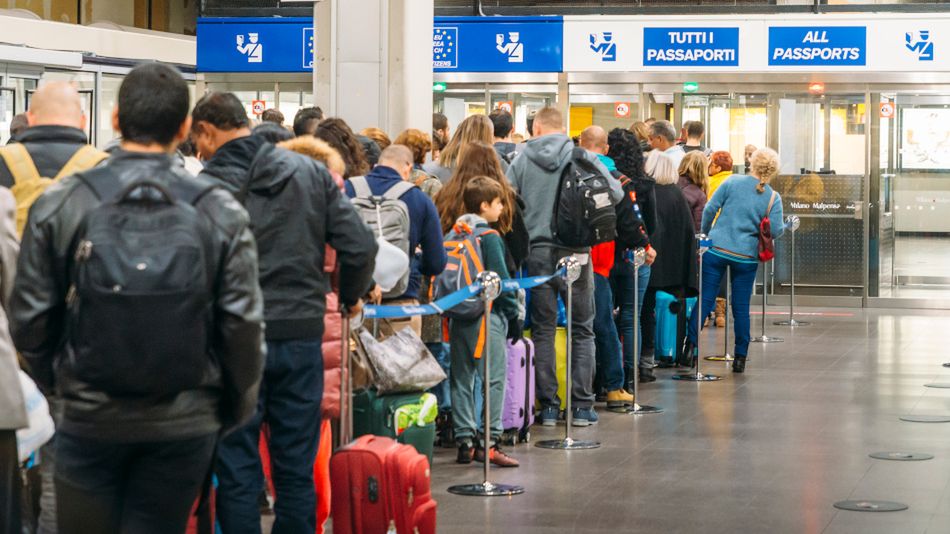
column 381, row 486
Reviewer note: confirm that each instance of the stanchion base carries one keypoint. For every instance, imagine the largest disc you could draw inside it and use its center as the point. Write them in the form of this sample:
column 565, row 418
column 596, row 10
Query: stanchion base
column 938, row 385
column 643, row 409
column 619, row 409
column 946, row 364
column 871, row 506
column 791, row 322
column 722, row 358
column 767, row 339
column 925, row 418
column 902, row 456
column 697, row 377
column 568, row 444
column 486, row 489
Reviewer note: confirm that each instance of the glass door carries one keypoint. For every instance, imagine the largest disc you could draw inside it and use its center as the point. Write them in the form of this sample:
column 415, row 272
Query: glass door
column 732, row 122
column 915, row 179
column 821, row 145
column 7, row 111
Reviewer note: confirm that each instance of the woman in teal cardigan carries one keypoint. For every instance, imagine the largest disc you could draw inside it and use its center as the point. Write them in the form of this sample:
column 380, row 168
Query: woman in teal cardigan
column 740, row 202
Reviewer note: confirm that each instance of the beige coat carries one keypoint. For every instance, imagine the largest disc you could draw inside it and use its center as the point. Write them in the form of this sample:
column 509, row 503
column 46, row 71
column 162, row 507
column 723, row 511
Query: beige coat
column 12, row 409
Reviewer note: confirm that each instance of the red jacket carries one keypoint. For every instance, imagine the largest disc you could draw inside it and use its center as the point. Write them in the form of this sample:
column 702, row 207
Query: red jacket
column 602, row 258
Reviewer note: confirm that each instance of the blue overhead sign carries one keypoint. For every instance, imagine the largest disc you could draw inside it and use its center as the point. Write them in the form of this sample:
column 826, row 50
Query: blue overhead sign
column 691, row 47
column 478, row 44
column 818, row 46
column 255, row 45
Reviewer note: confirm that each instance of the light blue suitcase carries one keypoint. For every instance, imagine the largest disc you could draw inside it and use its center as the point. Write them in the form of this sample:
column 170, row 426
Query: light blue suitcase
column 667, row 310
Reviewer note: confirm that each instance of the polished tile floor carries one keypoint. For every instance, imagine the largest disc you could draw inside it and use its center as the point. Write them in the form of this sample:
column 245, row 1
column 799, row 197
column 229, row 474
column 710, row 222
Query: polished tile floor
column 768, row 451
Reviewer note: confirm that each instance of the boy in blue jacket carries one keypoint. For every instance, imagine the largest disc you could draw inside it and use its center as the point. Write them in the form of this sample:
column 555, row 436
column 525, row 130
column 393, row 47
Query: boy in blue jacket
column 483, row 205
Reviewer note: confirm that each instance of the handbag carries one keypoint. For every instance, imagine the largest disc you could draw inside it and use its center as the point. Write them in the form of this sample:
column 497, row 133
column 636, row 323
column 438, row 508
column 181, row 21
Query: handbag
column 401, row 362
column 766, row 242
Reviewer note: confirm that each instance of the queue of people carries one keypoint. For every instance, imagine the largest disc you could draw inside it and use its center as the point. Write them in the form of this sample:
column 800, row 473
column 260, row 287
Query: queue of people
column 168, row 317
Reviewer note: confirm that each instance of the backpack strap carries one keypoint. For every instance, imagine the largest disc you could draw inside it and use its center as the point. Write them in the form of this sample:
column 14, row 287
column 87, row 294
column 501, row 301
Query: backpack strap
column 398, row 190
column 86, row 157
column 361, row 187
column 20, row 163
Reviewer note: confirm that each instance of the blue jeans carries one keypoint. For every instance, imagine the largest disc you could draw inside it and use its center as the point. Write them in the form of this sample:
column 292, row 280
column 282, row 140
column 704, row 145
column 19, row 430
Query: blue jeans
column 606, row 340
column 622, row 276
column 289, row 403
column 146, row 487
column 743, row 278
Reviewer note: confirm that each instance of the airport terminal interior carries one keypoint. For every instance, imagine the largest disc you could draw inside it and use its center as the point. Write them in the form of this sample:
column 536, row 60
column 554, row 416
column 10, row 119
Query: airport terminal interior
column 839, row 424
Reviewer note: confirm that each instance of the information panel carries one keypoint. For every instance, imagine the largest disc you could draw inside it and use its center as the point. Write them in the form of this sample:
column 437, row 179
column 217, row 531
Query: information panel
column 691, row 47
column 818, row 46
column 477, row 44
column 255, row 45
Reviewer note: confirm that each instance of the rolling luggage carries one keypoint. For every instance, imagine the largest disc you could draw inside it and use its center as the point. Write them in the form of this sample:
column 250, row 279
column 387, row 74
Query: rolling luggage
column 517, row 415
column 560, row 362
column 671, row 317
column 381, row 486
column 376, row 414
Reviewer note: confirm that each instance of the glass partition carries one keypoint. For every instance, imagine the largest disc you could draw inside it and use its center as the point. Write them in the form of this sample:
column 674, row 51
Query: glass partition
column 821, row 145
column 732, row 121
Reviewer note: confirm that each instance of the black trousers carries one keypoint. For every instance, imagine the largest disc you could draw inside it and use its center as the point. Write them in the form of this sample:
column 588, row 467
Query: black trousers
column 105, row 487
column 10, row 497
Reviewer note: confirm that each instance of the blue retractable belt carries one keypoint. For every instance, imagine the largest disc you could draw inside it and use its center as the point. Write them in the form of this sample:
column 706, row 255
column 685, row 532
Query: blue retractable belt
column 450, row 301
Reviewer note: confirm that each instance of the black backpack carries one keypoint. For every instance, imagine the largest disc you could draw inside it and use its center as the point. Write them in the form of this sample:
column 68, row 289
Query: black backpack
column 584, row 210
column 141, row 289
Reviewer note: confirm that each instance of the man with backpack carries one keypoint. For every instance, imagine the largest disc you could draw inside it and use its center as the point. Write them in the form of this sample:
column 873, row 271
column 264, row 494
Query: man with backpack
column 295, row 210
column 54, row 146
column 402, row 215
column 136, row 297
column 538, row 174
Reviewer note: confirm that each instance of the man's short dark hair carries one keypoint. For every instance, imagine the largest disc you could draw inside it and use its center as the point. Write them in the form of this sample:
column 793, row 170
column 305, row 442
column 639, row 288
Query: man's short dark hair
column 502, row 121
column 695, row 129
column 18, row 124
column 306, row 120
column 439, row 121
column 530, row 122
column 272, row 115
column 272, row 132
column 153, row 104
column 221, row 110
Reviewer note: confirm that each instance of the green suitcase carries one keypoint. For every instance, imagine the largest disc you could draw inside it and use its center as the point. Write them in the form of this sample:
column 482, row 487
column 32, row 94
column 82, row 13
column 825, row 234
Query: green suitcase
column 375, row 414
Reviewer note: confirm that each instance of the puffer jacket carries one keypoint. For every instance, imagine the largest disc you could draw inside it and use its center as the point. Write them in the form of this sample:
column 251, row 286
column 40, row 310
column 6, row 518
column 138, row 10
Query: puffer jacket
column 228, row 394
column 295, row 210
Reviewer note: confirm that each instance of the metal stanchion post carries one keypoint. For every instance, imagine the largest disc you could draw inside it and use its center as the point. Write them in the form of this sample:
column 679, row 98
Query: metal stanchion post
column 639, row 258
column 725, row 356
column 792, row 222
column 765, row 290
column 491, row 288
column 698, row 376
column 572, row 271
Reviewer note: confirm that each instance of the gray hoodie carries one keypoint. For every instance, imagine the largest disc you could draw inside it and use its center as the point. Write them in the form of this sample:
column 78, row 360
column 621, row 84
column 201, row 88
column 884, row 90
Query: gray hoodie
column 535, row 173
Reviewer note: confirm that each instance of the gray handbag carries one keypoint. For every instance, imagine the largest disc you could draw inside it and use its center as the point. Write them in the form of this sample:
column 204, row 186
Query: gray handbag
column 401, row 362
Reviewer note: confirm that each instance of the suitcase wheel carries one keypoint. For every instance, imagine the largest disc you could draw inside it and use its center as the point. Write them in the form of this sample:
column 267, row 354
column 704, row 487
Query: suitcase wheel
column 508, row 438
column 524, row 436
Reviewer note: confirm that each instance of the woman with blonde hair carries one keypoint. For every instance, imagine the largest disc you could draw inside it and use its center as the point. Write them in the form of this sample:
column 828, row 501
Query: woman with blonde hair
column 480, row 159
column 741, row 202
column 694, row 182
column 474, row 129
column 642, row 131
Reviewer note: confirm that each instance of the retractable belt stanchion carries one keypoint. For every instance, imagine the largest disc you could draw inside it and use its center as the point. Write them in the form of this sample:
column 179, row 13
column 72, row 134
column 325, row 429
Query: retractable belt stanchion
column 639, row 258
column 792, row 222
column 725, row 356
column 571, row 268
column 491, row 288
column 346, row 382
column 697, row 376
column 765, row 290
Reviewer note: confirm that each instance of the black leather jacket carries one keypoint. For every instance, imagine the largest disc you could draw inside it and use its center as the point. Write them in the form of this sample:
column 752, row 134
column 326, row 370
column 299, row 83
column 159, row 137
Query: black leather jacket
column 296, row 210
column 49, row 146
column 228, row 395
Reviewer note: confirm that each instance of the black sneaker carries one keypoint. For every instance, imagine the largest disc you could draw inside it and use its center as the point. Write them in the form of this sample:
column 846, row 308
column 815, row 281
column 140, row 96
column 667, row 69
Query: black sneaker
column 646, row 375
column 466, row 453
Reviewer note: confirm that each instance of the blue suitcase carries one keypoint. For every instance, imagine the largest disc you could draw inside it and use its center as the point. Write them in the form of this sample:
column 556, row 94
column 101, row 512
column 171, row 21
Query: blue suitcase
column 669, row 309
